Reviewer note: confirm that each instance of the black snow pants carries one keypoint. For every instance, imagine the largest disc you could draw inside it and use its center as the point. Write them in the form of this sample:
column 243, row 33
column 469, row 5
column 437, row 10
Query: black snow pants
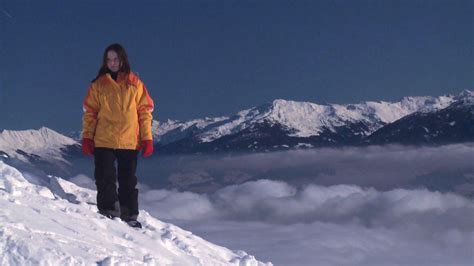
column 125, row 203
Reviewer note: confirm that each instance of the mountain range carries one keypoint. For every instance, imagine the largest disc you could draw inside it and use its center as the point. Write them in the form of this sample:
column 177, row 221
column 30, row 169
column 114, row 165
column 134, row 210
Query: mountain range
column 454, row 123
column 278, row 125
column 286, row 124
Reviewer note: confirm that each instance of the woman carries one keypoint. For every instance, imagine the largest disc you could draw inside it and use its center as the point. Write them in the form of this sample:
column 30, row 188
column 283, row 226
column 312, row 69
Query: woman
column 116, row 126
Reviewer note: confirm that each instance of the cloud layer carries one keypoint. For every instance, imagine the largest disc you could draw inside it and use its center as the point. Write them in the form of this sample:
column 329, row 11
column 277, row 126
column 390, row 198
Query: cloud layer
column 335, row 225
column 445, row 168
column 353, row 206
column 277, row 202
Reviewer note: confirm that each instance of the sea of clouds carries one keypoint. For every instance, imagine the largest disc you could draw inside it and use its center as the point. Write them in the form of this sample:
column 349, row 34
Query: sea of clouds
column 364, row 206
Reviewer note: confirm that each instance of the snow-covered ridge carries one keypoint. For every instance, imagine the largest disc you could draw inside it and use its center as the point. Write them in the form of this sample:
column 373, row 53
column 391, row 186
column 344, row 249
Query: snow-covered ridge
column 466, row 97
column 44, row 142
column 180, row 129
column 309, row 119
column 300, row 119
column 304, row 119
column 58, row 224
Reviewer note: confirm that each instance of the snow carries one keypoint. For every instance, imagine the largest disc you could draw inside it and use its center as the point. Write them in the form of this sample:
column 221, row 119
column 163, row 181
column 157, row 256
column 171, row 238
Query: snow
column 304, row 119
column 43, row 142
column 161, row 130
column 466, row 97
column 304, row 145
column 58, row 225
column 308, row 119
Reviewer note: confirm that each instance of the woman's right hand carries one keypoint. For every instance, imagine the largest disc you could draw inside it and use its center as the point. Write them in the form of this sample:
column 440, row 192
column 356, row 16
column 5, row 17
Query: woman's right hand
column 147, row 146
column 88, row 146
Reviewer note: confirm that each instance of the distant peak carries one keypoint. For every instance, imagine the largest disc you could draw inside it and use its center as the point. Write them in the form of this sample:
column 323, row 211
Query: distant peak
column 466, row 97
column 466, row 93
column 46, row 129
column 280, row 101
column 41, row 135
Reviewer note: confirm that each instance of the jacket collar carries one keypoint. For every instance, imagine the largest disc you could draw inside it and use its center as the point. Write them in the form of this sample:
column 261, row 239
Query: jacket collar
column 120, row 77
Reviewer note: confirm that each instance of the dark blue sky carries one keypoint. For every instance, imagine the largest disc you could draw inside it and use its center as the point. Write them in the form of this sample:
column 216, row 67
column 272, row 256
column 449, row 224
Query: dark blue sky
column 212, row 58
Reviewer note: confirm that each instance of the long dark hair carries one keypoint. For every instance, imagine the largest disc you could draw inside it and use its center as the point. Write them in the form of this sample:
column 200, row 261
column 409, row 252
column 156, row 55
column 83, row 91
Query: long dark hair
column 122, row 55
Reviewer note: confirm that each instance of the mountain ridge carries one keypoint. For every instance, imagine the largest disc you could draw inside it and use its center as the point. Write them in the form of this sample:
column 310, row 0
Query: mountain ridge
column 280, row 124
column 295, row 117
column 455, row 122
column 284, row 124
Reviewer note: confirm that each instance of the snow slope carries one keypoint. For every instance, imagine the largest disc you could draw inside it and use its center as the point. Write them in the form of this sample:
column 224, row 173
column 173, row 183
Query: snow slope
column 57, row 224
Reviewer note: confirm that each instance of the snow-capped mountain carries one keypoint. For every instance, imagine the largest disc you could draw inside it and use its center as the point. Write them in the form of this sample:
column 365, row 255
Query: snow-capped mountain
column 173, row 130
column 282, row 124
column 44, row 147
column 42, row 142
column 57, row 224
column 452, row 124
column 278, row 125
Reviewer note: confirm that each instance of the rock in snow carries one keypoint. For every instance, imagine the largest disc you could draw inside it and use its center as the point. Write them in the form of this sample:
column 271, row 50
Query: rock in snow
column 58, row 224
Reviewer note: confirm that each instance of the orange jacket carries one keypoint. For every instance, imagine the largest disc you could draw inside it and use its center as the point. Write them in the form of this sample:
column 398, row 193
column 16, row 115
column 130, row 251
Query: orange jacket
column 117, row 115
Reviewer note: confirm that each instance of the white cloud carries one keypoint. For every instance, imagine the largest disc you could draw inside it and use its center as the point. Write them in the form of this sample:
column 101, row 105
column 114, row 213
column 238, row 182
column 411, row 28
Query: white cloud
column 177, row 205
column 348, row 206
column 279, row 203
column 335, row 225
column 320, row 243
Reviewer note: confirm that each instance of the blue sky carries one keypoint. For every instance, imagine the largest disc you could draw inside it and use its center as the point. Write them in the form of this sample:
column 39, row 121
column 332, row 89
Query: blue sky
column 212, row 58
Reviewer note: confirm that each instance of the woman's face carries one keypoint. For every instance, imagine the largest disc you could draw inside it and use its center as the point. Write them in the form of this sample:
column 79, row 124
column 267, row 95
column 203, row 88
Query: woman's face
column 113, row 61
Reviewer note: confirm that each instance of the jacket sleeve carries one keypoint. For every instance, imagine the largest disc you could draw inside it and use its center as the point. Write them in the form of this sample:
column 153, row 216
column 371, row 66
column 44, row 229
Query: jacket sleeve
column 145, row 108
column 91, row 108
